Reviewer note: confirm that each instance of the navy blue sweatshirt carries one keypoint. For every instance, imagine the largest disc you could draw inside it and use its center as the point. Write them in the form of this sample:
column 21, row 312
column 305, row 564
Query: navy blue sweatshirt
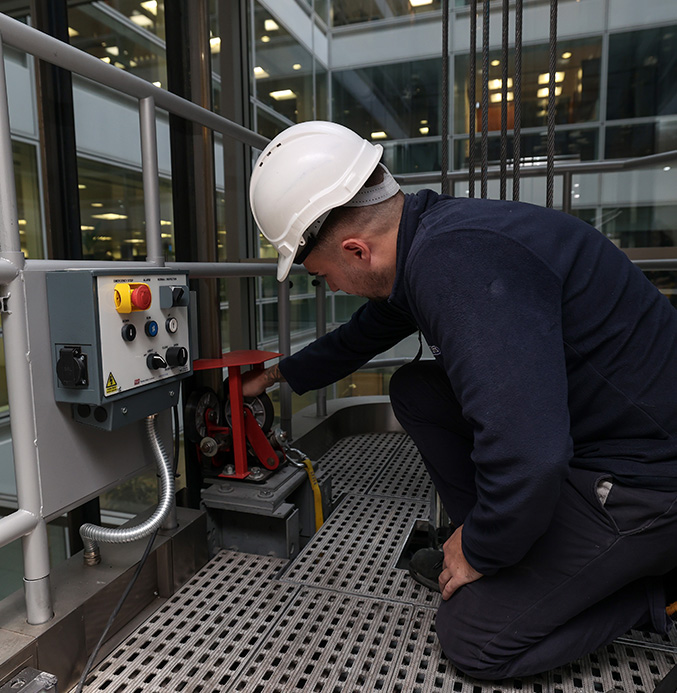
column 560, row 352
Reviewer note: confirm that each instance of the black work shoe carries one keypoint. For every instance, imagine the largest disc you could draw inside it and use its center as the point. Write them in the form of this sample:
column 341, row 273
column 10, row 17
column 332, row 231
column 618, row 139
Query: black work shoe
column 425, row 567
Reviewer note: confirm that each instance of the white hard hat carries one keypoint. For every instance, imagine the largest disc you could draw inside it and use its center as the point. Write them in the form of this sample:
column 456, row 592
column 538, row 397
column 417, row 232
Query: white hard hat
column 304, row 173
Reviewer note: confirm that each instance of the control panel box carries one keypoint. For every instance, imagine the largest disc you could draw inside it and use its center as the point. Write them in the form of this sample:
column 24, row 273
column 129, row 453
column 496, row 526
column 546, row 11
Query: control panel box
column 120, row 341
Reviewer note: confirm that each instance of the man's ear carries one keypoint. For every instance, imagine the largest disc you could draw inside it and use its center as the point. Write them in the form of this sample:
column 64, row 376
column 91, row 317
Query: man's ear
column 357, row 249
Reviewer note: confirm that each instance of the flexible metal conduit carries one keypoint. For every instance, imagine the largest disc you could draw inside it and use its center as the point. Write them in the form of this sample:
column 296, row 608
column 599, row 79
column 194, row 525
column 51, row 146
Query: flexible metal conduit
column 92, row 535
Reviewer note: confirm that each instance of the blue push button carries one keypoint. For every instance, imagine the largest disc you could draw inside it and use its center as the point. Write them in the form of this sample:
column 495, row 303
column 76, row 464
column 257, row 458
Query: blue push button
column 151, row 328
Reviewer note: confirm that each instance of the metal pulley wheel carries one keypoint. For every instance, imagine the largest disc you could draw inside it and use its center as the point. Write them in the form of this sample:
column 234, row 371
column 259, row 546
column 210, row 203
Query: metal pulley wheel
column 202, row 403
column 260, row 406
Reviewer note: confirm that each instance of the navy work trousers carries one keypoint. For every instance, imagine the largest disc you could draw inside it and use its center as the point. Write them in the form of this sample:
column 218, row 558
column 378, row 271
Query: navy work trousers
column 592, row 576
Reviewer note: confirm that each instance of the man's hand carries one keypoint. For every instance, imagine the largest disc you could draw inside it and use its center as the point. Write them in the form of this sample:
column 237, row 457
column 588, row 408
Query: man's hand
column 256, row 382
column 456, row 570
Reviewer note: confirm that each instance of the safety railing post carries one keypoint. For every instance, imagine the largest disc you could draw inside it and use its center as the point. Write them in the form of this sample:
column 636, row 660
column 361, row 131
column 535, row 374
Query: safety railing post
column 320, row 331
column 284, row 327
column 567, row 189
column 151, row 181
column 28, row 520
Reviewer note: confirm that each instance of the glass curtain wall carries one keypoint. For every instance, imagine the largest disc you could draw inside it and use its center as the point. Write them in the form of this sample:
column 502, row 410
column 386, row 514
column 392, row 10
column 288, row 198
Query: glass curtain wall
column 616, row 80
column 288, row 84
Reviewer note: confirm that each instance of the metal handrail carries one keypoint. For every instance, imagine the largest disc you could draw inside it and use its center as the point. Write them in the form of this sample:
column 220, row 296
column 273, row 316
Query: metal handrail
column 566, row 169
column 56, row 52
column 533, row 170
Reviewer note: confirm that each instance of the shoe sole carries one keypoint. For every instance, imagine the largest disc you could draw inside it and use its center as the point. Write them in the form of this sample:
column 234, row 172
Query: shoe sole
column 425, row 581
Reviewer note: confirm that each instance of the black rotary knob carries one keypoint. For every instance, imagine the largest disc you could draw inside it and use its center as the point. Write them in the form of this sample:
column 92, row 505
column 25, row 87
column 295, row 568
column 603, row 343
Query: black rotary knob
column 176, row 356
column 155, row 362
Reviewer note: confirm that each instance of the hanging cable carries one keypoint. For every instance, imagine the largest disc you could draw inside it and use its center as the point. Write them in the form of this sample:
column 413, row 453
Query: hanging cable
column 445, row 97
column 517, row 101
column 504, row 97
column 116, row 611
column 472, row 98
column 552, row 86
column 485, row 100
column 139, row 567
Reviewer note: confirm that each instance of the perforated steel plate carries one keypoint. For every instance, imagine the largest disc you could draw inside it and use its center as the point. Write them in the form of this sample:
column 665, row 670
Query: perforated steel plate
column 356, row 462
column 341, row 618
column 205, row 633
column 404, row 474
column 356, row 551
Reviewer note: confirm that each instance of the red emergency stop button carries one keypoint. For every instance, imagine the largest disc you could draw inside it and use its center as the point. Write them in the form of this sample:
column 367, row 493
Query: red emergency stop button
column 141, row 297
column 133, row 296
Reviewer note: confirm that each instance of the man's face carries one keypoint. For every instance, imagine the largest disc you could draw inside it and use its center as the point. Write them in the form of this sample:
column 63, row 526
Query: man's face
column 343, row 275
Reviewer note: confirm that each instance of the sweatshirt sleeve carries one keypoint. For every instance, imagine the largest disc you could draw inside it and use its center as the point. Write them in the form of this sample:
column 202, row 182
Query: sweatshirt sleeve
column 374, row 327
column 494, row 310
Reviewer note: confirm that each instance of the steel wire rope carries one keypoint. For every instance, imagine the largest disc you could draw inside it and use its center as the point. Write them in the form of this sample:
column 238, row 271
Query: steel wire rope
column 552, row 86
column 445, row 98
column 504, row 98
column 517, row 101
column 472, row 98
column 137, row 572
column 485, row 99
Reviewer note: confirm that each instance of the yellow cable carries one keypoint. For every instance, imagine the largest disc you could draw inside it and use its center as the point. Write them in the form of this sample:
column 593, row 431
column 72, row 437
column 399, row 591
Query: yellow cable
column 317, row 494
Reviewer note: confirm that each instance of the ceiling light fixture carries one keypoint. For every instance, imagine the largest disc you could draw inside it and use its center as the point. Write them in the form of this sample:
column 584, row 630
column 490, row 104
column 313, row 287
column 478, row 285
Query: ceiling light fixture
column 544, row 77
column 543, row 93
column 283, row 95
column 498, row 97
column 498, row 83
column 150, row 6
column 141, row 20
column 109, row 216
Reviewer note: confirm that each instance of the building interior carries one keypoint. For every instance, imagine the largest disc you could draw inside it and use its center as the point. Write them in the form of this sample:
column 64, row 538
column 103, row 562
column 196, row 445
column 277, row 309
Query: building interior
column 132, row 130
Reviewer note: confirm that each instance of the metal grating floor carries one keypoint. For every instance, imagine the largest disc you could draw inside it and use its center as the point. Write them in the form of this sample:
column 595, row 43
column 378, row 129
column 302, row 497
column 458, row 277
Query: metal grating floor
column 341, row 617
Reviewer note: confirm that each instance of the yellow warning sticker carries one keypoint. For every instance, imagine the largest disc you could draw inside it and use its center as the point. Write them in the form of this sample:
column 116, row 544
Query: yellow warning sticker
column 111, row 384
